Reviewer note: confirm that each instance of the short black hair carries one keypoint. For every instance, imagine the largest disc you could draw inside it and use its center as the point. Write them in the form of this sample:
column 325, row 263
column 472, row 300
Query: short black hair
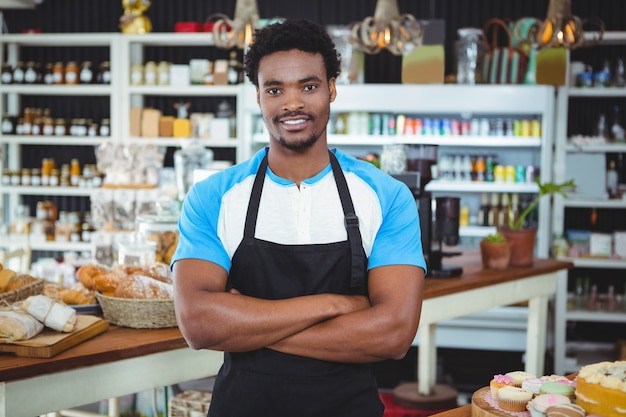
column 286, row 35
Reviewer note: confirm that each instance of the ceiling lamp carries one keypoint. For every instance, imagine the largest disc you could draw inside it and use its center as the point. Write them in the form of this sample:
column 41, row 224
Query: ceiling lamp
column 561, row 28
column 387, row 29
column 238, row 32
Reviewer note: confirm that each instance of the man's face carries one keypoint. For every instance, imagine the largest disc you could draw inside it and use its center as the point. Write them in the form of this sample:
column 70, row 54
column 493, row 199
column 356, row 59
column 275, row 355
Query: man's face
column 295, row 97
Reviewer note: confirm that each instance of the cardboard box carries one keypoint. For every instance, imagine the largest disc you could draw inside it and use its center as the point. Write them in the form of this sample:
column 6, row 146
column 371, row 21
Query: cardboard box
column 135, row 121
column 619, row 244
column 220, row 72
column 166, row 126
column 150, row 121
column 179, row 75
column 600, row 244
column 182, row 128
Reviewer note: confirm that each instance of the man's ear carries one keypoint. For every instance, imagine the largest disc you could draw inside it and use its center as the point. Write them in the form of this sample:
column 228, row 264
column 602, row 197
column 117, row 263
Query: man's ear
column 332, row 89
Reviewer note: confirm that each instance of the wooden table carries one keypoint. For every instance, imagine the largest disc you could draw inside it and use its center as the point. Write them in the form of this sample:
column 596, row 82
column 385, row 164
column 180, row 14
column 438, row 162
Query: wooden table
column 477, row 290
column 118, row 362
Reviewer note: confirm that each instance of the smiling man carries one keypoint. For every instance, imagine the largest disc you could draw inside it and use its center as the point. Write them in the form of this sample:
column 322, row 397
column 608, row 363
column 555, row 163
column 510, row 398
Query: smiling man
column 303, row 264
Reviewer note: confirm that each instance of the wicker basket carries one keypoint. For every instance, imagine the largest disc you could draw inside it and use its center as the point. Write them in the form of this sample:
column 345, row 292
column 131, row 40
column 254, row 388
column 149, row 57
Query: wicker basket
column 138, row 314
column 22, row 293
column 190, row 404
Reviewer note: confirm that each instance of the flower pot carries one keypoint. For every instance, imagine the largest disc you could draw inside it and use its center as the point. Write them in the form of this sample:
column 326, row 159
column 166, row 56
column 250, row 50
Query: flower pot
column 495, row 255
column 523, row 250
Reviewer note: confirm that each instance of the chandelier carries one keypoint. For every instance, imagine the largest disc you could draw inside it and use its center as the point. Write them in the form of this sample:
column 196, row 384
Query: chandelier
column 561, row 28
column 237, row 32
column 387, row 29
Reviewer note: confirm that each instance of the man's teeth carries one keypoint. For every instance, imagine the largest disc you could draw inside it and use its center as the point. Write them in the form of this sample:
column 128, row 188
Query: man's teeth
column 293, row 122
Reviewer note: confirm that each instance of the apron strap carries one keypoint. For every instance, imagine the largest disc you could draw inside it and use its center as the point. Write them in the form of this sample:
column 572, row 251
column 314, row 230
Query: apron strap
column 255, row 200
column 357, row 276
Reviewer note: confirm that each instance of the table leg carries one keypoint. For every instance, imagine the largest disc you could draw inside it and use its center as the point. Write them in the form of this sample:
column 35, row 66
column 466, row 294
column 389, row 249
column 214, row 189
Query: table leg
column 427, row 360
column 536, row 334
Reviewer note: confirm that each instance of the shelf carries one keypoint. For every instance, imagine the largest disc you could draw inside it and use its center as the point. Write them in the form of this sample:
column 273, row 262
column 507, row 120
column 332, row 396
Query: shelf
column 603, row 316
column 476, row 231
column 191, row 90
column 486, row 187
column 597, row 92
column 179, row 142
column 595, row 147
column 42, row 245
column 172, row 39
column 600, row 263
column 57, row 90
column 60, row 39
column 61, row 191
column 593, row 202
column 54, row 140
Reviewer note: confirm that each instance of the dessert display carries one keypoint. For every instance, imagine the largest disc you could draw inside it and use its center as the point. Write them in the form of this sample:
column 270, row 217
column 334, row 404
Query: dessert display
column 597, row 390
column 128, row 281
column 601, row 389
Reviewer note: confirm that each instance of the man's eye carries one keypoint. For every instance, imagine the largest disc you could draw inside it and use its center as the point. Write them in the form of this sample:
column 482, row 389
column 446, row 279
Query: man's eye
column 310, row 88
column 273, row 91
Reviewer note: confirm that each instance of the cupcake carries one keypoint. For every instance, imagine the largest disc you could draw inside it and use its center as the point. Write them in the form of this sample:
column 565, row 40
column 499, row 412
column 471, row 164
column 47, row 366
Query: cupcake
column 532, row 385
column 513, row 398
column 557, row 388
column 519, row 377
column 565, row 410
column 541, row 402
column 498, row 382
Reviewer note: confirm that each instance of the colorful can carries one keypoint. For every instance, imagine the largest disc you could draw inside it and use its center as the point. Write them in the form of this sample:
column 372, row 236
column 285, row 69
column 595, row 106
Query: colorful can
column 525, row 127
column 520, row 173
column 498, row 173
column 509, row 173
column 530, row 173
column 535, row 128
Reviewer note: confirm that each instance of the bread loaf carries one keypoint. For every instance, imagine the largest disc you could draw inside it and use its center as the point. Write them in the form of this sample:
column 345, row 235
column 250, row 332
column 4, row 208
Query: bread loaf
column 51, row 313
column 143, row 287
column 16, row 326
column 5, row 277
column 98, row 278
column 19, row 281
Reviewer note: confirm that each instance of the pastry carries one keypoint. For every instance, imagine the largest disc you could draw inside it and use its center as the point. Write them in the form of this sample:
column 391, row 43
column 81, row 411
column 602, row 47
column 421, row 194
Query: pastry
column 565, row 410
column 497, row 382
column 143, row 287
column 5, row 277
column 15, row 325
column 519, row 377
column 19, row 281
column 601, row 388
column 557, row 388
column 533, row 385
column 512, row 398
column 51, row 313
column 541, row 402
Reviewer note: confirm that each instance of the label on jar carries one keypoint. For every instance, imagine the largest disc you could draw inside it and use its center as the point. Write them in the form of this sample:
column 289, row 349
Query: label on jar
column 136, row 77
column 7, row 126
column 70, row 77
column 48, row 130
column 35, row 130
column 7, row 78
column 104, row 130
column 86, row 75
column 57, row 77
column 59, row 130
column 30, row 76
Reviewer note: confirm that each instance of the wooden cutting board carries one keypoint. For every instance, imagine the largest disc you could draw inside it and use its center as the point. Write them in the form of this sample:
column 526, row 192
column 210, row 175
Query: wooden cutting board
column 482, row 408
column 50, row 342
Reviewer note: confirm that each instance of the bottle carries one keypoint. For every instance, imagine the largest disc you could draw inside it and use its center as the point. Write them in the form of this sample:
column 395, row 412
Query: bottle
column 150, row 73
column 611, row 180
column 515, row 209
column 48, row 74
column 601, row 128
column 617, row 130
column 494, row 209
column 6, row 76
column 619, row 76
column 503, row 213
column 30, row 73
column 71, row 73
column 86, row 73
column 18, row 73
column 483, row 210
column 104, row 73
column 235, row 69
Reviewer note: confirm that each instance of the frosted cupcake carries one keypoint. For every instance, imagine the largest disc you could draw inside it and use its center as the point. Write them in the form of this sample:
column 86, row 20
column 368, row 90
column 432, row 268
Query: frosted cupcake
column 519, row 377
column 557, row 388
column 513, row 398
column 565, row 410
column 498, row 382
column 532, row 385
column 541, row 402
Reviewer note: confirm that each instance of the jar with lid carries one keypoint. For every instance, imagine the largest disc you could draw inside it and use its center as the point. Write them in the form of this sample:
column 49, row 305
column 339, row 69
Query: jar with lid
column 16, row 177
column 26, row 177
column 71, row 73
column 74, row 172
column 80, row 127
column 93, row 129
column 30, row 73
column 74, row 226
column 59, row 127
column 163, row 73
column 64, row 176
column 470, row 54
column 87, row 228
column 62, row 228
column 6, row 177
column 47, row 128
column 58, row 73
column 105, row 127
column 8, row 125
column 136, row 250
column 19, row 126
column 6, row 76
column 104, row 73
column 47, row 164
column 150, row 73
column 35, row 177
column 37, row 126
column 18, row 73
column 86, row 73
column 48, row 75
column 136, row 74
column 55, row 177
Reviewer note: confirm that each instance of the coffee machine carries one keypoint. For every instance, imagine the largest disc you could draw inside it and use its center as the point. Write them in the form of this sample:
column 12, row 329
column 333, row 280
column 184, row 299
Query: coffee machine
column 439, row 217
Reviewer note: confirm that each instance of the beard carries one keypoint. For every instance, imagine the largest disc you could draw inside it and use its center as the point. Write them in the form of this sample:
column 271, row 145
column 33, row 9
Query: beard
column 298, row 143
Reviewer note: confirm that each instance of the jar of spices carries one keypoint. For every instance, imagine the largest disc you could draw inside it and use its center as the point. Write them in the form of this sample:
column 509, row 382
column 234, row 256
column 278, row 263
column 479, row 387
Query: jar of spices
column 18, row 126
column 6, row 177
column 47, row 128
column 36, row 126
column 163, row 73
column 48, row 76
column 27, row 121
column 86, row 73
column 74, row 172
column 136, row 74
column 71, row 73
column 59, row 127
column 16, row 177
column 105, row 127
column 18, row 73
column 80, row 128
column 8, row 125
column 104, row 73
column 35, row 177
column 93, row 129
column 46, row 170
column 55, row 177
column 150, row 73
column 26, row 177
column 30, row 73
column 58, row 73
column 6, row 76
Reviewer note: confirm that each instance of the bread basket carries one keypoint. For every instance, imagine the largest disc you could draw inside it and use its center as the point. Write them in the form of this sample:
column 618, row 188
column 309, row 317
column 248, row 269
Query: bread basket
column 190, row 404
column 138, row 313
column 34, row 288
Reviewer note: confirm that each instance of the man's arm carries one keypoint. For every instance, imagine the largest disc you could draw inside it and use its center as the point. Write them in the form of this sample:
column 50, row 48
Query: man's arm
column 384, row 331
column 210, row 318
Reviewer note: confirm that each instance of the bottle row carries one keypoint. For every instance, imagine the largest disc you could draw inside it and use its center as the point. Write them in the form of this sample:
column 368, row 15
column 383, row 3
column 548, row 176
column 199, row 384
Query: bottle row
column 69, row 175
column 48, row 126
column 608, row 76
column 588, row 297
column 481, row 168
column 390, row 124
column 498, row 209
column 58, row 73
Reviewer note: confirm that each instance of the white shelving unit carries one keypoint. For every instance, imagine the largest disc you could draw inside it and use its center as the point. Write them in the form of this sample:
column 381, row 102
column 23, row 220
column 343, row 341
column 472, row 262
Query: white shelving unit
column 564, row 146
column 459, row 102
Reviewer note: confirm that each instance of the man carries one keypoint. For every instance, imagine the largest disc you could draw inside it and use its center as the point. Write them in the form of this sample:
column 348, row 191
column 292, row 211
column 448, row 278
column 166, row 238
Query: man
column 303, row 265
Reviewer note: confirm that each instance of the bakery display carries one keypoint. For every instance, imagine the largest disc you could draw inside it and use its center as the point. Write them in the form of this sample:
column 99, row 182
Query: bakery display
column 513, row 398
column 538, row 405
column 601, row 389
column 128, row 281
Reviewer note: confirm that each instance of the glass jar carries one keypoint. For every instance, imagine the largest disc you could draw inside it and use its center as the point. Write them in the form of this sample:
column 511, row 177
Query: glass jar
column 55, row 177
column 470, row 54
column 105, row 127
column 86, row 73
column 71, row 73
column 150, row 73
column 136, row 250
column 35, row 177
column 18, row 73
column 8, row 125
column 26, row 177
column 393, row 159
column 30, row 73
column 163, row 73
column 48, row 74
column 136, row 74
column 58, row 73
column 162, row 229
column 48, row 126
column 104, row 73
column 192, row 155
column 6, row 76
column 59, row 127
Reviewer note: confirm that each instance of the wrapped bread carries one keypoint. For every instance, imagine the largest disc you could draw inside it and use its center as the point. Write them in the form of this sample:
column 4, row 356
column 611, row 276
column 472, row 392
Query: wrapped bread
column 51, row 313
column 16, row 325
column 143, row 287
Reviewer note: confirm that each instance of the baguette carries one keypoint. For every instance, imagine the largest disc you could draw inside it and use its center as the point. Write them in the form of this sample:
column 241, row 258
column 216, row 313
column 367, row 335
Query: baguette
column 16, row 326
column 51, row 313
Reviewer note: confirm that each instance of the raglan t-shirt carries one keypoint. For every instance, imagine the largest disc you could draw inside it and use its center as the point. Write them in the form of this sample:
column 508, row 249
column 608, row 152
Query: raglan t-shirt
column 213, row 214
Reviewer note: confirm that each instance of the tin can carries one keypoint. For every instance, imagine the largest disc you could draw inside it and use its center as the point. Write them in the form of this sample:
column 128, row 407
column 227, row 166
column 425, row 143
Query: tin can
column 535, row 128
column 525, row 127
column 498, row 173
column 530, row 173
column 520, row 173
column 509, row 173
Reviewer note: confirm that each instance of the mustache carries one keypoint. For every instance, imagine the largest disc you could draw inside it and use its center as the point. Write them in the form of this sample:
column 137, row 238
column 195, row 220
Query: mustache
column 276, row 119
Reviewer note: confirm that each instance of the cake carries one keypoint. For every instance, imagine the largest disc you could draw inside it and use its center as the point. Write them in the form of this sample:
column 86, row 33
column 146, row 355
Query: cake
column 498, row 382
column 601, row 389
column 565, row 410
column 557, row 388
column 519, row 377
column 541, row 402
column 513, row 398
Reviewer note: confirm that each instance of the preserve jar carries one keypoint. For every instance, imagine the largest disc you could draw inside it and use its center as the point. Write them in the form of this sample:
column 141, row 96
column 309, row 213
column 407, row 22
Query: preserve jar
column 71, row 73
column 86, row 73
column 58, row 73
column 162, row 229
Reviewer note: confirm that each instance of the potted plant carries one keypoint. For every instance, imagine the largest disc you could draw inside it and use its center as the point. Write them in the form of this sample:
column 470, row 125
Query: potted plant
column 522, row 237
column 495, row 251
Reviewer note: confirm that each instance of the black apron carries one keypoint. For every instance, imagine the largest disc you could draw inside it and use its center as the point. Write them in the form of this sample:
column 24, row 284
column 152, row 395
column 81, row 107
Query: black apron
column 265, row 382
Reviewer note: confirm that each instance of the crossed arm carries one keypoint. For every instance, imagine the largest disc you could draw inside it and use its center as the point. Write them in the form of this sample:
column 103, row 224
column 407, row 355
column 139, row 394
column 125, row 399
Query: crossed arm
column 329, row 327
